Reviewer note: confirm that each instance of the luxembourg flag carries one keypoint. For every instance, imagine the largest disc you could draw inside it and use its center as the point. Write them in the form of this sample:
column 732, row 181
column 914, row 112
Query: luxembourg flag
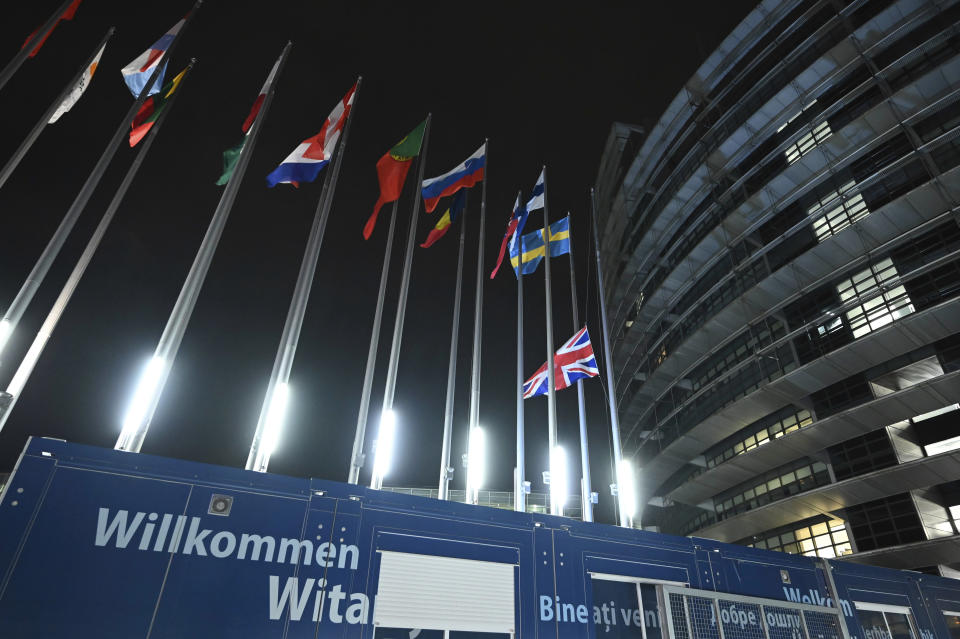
column 304, row 164
column 137, row 73
column 465, row 175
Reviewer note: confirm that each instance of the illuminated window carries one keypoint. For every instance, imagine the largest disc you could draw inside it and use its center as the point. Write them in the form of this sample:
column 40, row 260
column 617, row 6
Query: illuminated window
column 879, row 303
column 808, row 141
column 840, row 211
column 787, row 424
column 824, row 539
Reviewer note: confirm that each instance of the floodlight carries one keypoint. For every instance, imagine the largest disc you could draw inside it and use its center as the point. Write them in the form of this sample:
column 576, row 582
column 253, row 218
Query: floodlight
column 275, row 416
column 558, row 479
column 143, row 398
column 476, row 462
column 626, row 492
column 384, row 452
column 5, row 329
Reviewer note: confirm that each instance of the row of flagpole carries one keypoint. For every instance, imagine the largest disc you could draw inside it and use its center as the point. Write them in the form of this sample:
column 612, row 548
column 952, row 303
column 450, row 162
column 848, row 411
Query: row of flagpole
column 146, row 398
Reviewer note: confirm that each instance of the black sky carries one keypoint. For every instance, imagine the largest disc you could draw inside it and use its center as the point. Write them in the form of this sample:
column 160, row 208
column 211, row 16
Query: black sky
column 544, row 81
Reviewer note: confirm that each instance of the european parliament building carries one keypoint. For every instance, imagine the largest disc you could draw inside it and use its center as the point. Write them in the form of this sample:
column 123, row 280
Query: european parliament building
column 781, row 252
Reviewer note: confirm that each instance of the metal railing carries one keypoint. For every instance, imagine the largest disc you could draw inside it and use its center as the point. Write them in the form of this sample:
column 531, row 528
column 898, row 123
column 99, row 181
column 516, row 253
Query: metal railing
column 536, row 502
column 704, row 614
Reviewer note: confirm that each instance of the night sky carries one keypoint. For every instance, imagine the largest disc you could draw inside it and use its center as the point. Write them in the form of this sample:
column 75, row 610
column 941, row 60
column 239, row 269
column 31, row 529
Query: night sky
column 544, row 81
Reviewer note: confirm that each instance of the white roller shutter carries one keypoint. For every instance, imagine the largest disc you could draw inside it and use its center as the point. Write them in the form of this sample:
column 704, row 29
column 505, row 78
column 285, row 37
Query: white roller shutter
column 444, row 593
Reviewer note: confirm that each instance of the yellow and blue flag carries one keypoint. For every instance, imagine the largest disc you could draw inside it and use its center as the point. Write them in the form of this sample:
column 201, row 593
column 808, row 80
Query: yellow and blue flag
column 534, row 246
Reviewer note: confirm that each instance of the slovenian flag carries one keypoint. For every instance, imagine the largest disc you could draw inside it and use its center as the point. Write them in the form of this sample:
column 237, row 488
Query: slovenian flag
column 465, row 175
column 304, row 164
column 137, row 73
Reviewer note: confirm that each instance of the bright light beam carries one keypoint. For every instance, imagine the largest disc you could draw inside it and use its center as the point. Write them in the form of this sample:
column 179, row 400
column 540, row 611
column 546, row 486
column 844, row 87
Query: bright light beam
column 275, row 416
column 476, row 463
column 558, row 480
column 5, row 330
column 143, row 397
column 626, row 494
column 384, row 454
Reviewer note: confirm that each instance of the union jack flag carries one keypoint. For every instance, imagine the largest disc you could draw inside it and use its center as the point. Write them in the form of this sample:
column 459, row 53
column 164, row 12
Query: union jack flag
column 574, row 360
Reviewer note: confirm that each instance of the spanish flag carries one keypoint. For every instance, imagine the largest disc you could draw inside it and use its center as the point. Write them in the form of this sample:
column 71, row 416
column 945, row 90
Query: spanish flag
column 456, row 207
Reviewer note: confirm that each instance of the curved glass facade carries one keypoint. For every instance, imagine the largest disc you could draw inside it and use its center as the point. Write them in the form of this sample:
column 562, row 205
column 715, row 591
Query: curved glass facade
column 782, row 253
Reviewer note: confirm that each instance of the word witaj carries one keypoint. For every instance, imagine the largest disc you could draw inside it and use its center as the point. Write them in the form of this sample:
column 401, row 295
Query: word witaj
column 179, row 534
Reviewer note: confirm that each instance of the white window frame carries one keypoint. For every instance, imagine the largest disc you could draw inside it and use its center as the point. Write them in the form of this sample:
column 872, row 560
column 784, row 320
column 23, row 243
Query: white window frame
column 638, row 581
column 885, row 608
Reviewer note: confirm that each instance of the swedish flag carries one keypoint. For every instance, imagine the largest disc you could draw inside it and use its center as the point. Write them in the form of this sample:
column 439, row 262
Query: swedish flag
column 534, row 246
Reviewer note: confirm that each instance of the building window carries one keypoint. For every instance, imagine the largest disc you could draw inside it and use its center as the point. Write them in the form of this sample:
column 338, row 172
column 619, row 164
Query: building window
column 953, row 623
column 772, row 486
column 794, row 421
column 863, row 454
column 881, row 621
column 879, row 310
column 808, row 141
column 840, row 212
column 818, row 538
column 886, row 522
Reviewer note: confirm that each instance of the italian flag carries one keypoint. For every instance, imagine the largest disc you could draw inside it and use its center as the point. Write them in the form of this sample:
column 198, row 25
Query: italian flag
column 151, row 109
column 232, row 155
column 392, row 171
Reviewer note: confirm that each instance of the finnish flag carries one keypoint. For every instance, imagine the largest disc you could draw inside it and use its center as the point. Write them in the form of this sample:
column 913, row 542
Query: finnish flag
column 536, row 197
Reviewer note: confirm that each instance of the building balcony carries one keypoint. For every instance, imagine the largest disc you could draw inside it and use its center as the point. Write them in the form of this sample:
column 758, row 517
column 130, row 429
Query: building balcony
column 921, row 473
column 897, row 406
column 897, row 338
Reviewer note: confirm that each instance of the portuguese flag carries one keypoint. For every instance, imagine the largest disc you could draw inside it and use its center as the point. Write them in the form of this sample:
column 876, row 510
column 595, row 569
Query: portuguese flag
column 151, row 110
column 392, row 170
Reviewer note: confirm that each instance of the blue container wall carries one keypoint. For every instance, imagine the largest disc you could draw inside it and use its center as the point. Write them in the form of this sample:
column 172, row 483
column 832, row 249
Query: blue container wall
column 99, row 543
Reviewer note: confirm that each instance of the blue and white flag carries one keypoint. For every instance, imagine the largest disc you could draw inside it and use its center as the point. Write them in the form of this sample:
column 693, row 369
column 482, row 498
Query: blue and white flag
column 536, row 197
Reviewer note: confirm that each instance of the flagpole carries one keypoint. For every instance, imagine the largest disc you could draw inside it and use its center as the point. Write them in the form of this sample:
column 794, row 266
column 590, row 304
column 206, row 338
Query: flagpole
column 478, row 310
column 271, row 413
column 19, row 305
column 391, row 384
column 585, row 488
column 357, row 458
column 9, row 399
column 519, row 495
column 608, row 364
column 38, row 37
column 446, row 473
column 21, row 151
column 142, row 409
column 555, row 508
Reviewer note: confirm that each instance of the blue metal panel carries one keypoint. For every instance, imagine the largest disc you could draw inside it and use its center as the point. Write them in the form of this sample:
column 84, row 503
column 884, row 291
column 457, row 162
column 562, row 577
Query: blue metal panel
column 66, row 578
column 194, row 594
column 72, row 569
